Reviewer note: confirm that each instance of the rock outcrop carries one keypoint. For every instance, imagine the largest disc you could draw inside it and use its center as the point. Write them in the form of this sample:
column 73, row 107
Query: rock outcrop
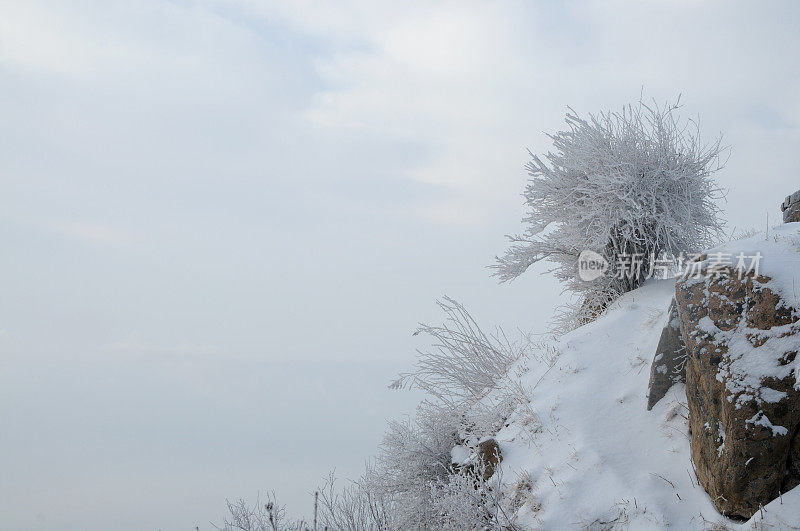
column 744, row 405
column 668, row 367
column 478, row 461
column 793, row 478
column 489, row 456
column 791, row 208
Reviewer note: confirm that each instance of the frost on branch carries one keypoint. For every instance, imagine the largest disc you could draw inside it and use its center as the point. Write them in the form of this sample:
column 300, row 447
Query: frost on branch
column 636, row 182
column 465, row 361
column 465, row 374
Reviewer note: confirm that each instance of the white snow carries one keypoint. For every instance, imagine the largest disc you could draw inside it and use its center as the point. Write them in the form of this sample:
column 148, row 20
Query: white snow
column 707, row 325
column 779, row 249
column 460, row 454
column 761, row 419
column 721, row 437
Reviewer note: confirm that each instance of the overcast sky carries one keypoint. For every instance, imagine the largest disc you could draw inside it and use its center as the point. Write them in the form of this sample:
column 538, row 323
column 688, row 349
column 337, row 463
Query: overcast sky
column 222, row 220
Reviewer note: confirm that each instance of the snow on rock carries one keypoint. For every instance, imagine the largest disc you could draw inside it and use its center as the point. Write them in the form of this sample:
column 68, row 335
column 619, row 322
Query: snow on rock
column 742, row 337
column 778, row 248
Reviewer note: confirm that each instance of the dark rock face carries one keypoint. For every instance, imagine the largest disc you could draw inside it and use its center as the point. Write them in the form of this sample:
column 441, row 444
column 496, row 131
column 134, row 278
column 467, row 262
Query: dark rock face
column 668, row 367
column 793, row 478
column 489, row 456
column 482, row 461
column 744, row 411
column 791, row 208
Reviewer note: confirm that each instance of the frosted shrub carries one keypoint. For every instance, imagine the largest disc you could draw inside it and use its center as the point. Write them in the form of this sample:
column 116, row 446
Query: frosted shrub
column 356, row 507
column 414, row 454
column 464, row 502
column 266, row 516
column 464, row 361
column 468, row 502
column 618, row 183
column 462, row 373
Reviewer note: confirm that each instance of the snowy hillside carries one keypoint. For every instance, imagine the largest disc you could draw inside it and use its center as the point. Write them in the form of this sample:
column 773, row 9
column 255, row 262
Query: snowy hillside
column 598, row 458
column 518, row 435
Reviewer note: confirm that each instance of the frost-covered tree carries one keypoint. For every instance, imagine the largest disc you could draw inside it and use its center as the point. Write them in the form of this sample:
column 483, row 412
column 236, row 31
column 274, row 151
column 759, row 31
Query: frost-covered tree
column 632, row 186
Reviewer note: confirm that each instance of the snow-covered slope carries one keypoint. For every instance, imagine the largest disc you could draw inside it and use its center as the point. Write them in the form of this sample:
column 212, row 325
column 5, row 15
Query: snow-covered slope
column 599, row 458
